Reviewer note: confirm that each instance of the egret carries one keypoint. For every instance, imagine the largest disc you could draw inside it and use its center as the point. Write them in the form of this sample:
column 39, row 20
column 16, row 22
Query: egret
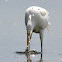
column 36, row 20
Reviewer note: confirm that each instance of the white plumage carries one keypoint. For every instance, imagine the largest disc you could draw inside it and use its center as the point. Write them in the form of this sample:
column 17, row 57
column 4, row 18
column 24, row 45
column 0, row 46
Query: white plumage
column 36, row 20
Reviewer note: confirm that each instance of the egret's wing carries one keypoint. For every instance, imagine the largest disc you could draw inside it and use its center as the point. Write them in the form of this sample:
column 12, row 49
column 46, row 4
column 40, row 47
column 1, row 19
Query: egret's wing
column 44, row 12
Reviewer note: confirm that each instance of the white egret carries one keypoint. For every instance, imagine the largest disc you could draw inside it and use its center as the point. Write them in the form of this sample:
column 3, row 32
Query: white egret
column 36, row 20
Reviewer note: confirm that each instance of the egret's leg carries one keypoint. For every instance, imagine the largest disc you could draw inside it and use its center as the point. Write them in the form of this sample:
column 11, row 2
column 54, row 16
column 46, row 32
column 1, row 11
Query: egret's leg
column 28, row 38
column 41, row 38
column 41, row 49
column 41, row 45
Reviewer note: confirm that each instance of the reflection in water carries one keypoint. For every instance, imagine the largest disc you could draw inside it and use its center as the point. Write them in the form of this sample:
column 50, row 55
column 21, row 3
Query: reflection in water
column 29, row 54
column 30, row 60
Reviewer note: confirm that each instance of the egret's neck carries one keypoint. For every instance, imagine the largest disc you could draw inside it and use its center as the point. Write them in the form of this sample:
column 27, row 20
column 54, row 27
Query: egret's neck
column 29, row 24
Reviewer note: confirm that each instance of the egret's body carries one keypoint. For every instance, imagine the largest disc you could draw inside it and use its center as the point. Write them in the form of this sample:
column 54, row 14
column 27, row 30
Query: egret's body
column 36, row 20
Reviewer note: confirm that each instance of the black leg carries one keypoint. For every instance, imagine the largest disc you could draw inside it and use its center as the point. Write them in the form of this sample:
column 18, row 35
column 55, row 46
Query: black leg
column 41, row 49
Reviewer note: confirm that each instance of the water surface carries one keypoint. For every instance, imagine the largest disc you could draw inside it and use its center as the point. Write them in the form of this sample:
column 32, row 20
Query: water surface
column 13, row 31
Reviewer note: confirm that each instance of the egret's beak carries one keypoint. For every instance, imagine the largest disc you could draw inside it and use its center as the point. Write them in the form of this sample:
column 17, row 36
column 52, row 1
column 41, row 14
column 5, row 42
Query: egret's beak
column 28, row 39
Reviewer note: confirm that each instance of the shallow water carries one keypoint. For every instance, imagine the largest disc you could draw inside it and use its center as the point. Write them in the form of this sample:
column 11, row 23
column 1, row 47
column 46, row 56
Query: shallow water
column 13, row 31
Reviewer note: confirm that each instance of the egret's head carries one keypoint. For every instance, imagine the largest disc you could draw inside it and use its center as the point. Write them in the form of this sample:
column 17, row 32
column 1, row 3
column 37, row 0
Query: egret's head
column 29, row 30
column 29, row 27
column 29, row 24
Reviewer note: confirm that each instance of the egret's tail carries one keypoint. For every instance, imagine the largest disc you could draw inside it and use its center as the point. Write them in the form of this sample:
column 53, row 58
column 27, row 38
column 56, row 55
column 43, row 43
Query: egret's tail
column 48, row 26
